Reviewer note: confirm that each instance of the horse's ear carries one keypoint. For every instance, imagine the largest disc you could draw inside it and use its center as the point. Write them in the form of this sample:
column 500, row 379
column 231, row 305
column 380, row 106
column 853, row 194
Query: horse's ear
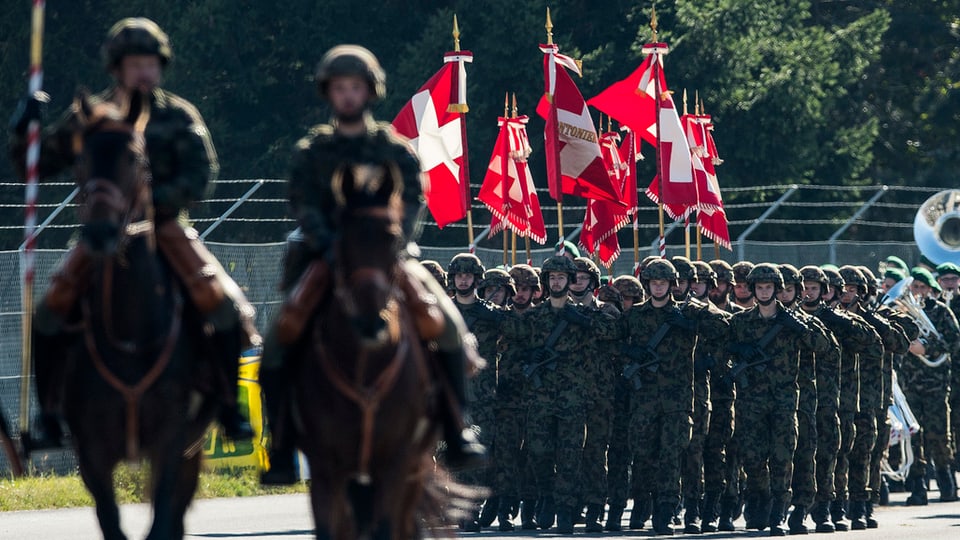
column 138, row 111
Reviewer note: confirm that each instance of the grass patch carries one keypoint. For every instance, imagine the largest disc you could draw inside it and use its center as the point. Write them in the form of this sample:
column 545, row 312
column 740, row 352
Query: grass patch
column 131, row 485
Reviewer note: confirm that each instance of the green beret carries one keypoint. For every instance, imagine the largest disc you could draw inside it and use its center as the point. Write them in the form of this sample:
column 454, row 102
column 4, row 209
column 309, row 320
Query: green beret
column 924, row 260
column 893, row 260
column 948, row 268
column 568, row 247
column 923, row 276
column 895, row 274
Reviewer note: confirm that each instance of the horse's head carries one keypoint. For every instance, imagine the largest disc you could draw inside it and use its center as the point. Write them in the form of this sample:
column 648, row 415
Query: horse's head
column 369, row 212
column 112, row 169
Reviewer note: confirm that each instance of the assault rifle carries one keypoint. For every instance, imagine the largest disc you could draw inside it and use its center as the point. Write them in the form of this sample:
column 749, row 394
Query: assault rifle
column 546, row 358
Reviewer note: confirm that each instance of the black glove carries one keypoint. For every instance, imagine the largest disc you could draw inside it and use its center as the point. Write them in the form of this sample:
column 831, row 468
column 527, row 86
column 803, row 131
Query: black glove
column 573, row 316
column 791, row 323
column 30, row 107
column 744, row 352
column 677, row 319
column 539, row 355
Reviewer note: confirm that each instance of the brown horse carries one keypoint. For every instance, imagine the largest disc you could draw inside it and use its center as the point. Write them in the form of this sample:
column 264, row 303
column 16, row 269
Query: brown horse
column 131, row 393
column 362, row 385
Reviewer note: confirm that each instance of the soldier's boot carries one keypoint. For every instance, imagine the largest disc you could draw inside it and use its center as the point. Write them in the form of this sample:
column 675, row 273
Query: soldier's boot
column 868, row 515
column 946, row 484
column 640, row 513
column 546, row 514
column 663, row 518
column 691, row 516
column 917, row 485
column 727, row 508
column 884, row 495
column 858, row 511
column 506, row 506
column 528, row 510
column 564, row 519
column 489, row 511
column 709, row 512
column 775, row 518
column 756, row 510
column 615, row 518
column 838, row 513
column 795, row 521
column 821, row 516
column 592, row 518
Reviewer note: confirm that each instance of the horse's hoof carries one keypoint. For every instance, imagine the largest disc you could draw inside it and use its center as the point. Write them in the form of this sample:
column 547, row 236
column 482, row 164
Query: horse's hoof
column 278, row 477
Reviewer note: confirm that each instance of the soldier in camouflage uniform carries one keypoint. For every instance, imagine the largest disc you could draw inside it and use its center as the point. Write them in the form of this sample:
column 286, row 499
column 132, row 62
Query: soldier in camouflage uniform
column 497, row 287
column 553, row 336
column 741, row 289
column 509, row 453
column 437, row 271
column 720, row 295
column 871, row 359
column 948, row 277
column 766, row 341
column 618, row 451
column 927, row 389
column 832, row 297
column 350, row 78
column 183, row 164
column 804, row 471
column 465, row 272
column 660, row 336
column 603, row 369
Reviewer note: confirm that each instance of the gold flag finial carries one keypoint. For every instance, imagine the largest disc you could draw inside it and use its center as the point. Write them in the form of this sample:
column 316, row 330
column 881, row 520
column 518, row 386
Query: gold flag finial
column 506, row 104
column 696, row 102
column 684, row 101
column 513, row 111
column 653, row 21
column 549, row 27
column 456, row 34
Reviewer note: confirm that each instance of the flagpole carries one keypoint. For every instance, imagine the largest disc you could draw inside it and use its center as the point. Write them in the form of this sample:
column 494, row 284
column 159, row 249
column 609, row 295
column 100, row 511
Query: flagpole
column 30, row 219
column 504, row 174
column 553, row 110
column 465, row 169
column 513, row 248
column 656, row 82
column 699, row 239
column 526, row 241
column 686, row 228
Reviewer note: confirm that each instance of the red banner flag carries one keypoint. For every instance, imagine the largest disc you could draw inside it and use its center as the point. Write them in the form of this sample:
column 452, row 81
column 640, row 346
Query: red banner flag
column 632, row 100
column 508, row 189
column 603, row 219
column 574, row 163
column 432, row 121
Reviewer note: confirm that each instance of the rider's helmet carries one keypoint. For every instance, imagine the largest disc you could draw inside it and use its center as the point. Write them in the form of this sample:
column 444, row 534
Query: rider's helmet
column 351, row 60
column 135, row 35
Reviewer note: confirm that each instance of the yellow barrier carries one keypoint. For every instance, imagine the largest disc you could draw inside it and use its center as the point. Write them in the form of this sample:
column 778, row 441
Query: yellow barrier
column 220, row 453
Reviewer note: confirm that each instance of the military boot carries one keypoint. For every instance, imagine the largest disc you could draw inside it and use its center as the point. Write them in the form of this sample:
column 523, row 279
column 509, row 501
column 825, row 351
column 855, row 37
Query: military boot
column 858, row 511
column 756, row 510
column 642, row 507
column 662, row 518
column 821, row 516
column 775, row 518
column 464, row 451
column 946, row 484
column 868, row 514
column 837, row 514
column 564, row 519
column 708, row 512
column 795, row 522
column 274, row 380
column 489, row 511
column 728, row 506
column 916, row 483
column 592, row 519
column 507, row 505
column 615, row 518
column 546, row 514
column 691, row 516
column 528, row 509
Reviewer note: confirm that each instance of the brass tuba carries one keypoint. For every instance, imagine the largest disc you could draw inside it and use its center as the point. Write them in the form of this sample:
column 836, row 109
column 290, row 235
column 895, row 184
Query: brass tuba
column 899, row 297
column 936, row 228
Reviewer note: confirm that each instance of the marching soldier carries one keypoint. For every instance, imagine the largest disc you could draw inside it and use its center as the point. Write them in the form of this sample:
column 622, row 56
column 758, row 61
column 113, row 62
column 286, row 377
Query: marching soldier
column 350, row 79
column 437, row 272
column 766, row 341
column 832, row 297
column 720, row 294
column 741, row 289
column 183, row 164
column 497, row 287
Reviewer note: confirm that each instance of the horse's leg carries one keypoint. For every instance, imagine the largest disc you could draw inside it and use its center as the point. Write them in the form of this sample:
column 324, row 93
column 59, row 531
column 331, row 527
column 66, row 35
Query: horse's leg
column 166, row 464
column 320, row 502
column 185, row 490
column 97, row 475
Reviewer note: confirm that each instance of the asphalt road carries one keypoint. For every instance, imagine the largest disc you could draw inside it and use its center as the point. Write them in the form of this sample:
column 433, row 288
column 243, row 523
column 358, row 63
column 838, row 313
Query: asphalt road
column 287, row 517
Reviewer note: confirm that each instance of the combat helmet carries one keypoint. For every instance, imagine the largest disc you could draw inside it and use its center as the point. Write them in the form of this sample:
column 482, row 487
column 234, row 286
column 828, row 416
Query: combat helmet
column 524, row 274
column 135, row 35
column 814, row 273
column 765, row 273
column 659, row 269
column 629, row 287
column 723, row 270
column 497, row 277
column 436, row 271
column 685, row 268
column 705, row 274
column 852, row 276
column 557, row 263
column 584, row 264
column 351, row 60
column 740, row 271
column 466, row 263
column 790, row 274
column 833, row 277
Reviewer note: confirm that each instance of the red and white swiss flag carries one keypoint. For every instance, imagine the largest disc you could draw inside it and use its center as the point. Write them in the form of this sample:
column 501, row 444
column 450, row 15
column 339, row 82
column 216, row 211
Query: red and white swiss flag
column 434, row 129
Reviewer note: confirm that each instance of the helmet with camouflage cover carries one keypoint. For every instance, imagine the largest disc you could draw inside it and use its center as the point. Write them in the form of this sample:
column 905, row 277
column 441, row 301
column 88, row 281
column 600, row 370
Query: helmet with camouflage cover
column 466, row 263
column 610, row 294
column 705, row 274
column 814, row 273
column 584, row 264
column 723, row 270
column 659, row 269
column 524, row 274
column 852, row 276
column 557, row 263
column 833, row 276
column 685, row 268
column 765, row 273
column 740, row 271
column 790, row 274
column 646, row 260
column 135, row 35
column 436, row 271
column 629, row 287
column 872, row 283
column 344, row 60
column 497, row 277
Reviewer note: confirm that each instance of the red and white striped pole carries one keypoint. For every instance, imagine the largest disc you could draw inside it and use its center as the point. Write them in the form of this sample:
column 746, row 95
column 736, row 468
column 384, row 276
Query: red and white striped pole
column 30, row 213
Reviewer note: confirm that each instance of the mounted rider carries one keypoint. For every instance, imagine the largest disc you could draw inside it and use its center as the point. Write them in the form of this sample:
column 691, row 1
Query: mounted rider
column 183, row 164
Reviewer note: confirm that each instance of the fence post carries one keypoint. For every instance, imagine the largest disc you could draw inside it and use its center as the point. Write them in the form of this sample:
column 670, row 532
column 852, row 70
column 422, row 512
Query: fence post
column 832, row 241
column 236, row 204
column 756, row 223
column 56, row 211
